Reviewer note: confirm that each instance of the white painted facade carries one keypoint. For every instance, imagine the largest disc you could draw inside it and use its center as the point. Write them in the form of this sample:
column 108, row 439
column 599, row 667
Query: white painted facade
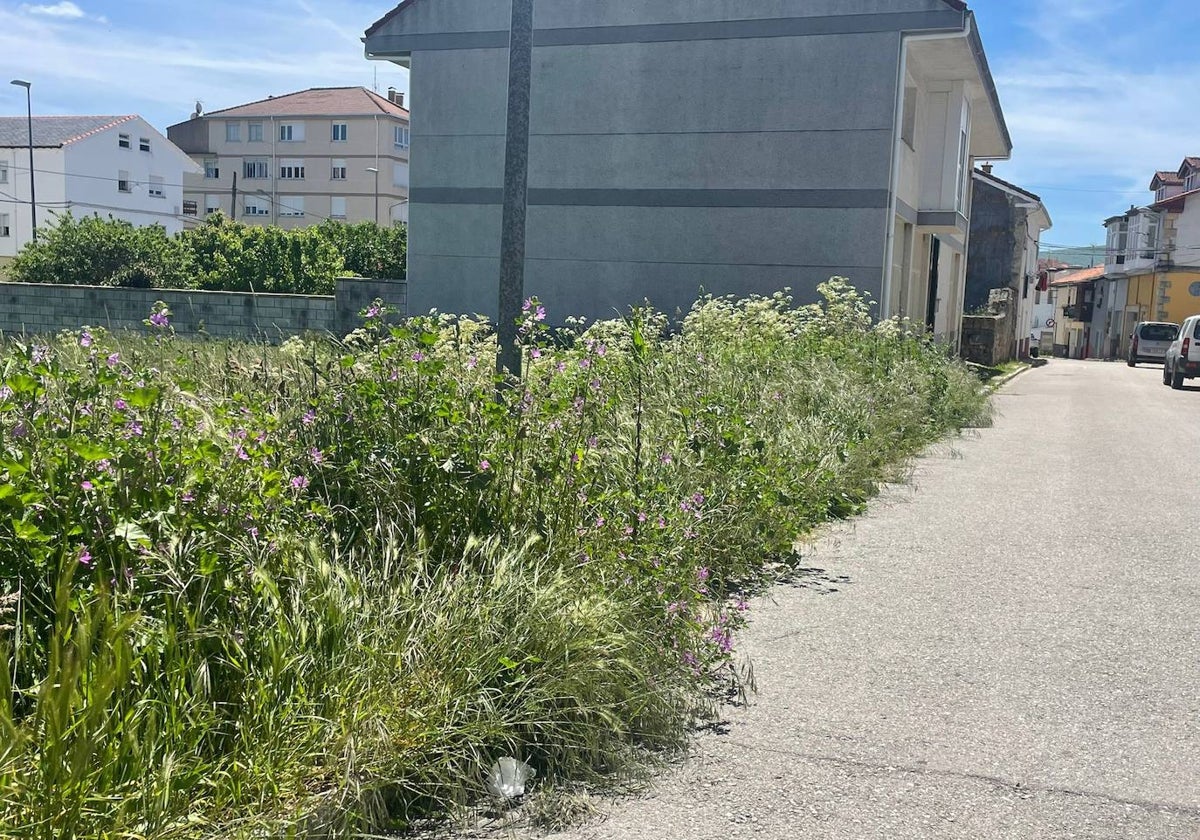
column 1187, row 233
column 945, row 122
column 96, row 174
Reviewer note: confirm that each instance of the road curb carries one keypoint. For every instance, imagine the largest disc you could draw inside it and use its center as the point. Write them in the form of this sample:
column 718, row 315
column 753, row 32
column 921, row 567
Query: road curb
column 1010, row 377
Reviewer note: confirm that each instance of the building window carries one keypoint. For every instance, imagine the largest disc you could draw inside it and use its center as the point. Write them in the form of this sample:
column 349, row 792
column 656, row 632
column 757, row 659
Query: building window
column 253, row 168
column 123, row 183
column 156, row 186
column 337, row 171
column 233, row 132
column 254, row 132
column 291, row 205
column 212, row 169
column 190, row 208
column 337, row 207
column 212, row 204
column 3, row 172
column 401, row 137
column 908, row 128
column 399, row 174
column 123, row 140
column 5, row 230
column 291, row 132
column 144, row 144
column 256, row 207
column 291, row 170
column 339, row 132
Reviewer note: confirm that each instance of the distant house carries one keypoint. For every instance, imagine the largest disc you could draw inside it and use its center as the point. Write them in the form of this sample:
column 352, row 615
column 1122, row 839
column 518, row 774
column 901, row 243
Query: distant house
column 115, row 166
column 678, row 147
column 1006, row 227
column 1074, row 294
column 324, row 153
column 1152, row 260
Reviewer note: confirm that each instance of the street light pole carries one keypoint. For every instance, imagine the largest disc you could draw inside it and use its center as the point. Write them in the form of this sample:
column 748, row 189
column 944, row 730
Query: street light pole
column 375, row 169
column 32, row 189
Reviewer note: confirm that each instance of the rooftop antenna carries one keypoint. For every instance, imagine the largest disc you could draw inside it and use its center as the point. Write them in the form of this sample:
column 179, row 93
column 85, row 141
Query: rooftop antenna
column 375, row 86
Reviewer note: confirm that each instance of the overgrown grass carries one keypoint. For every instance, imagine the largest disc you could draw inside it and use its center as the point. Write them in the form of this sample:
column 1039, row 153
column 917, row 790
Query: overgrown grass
column 318, row 590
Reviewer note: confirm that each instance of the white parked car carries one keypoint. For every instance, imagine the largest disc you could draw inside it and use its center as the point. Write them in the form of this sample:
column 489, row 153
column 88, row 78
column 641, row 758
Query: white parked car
column 1183, row 356
column 1150, row 341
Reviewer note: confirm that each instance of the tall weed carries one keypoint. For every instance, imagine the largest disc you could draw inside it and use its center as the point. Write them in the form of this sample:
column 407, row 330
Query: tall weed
column 318, row 589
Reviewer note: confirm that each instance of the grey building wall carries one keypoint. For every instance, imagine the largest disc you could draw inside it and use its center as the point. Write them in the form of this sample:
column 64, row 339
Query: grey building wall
column 677, row 147
column 994, row 260
column 34, row 308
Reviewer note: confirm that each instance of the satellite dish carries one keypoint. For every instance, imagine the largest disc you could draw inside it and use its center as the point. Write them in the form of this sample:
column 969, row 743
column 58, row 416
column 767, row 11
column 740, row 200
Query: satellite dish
column 199, row 109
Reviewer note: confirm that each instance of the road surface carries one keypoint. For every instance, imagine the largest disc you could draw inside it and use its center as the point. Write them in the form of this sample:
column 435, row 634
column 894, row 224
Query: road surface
column 1015, row 652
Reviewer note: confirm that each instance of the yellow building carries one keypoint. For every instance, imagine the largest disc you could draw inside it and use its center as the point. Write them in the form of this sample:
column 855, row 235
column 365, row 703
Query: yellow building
column 1176, row 274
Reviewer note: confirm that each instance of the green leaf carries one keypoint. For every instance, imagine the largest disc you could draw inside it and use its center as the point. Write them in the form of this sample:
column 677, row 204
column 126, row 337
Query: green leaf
column 7, row 491
column 89, row 451
column 28, row 532
column 22, row 383
column 143, row 397
column 509, row 664
column 132, row 534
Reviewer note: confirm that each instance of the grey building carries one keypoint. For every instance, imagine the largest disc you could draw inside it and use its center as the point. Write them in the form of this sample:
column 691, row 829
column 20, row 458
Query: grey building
column 1007, row 223
column 680, row 147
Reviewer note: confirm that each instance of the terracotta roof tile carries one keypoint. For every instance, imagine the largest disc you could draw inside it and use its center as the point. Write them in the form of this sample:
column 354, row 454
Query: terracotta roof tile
column 317, row 102
column 1076, row 277
column 1163, row 178
column 1178, row 198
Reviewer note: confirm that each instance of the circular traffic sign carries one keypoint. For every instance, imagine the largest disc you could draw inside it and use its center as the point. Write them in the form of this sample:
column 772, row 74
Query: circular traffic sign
column 1050, row 322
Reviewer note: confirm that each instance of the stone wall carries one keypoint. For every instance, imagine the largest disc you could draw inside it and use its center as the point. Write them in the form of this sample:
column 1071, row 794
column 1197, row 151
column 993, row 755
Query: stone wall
column 986, row 339
column 33, row 308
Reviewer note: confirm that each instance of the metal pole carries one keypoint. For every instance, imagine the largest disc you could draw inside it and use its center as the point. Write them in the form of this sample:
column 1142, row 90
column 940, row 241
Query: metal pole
column 377, row 195
column 516, row 185
column 32, row 180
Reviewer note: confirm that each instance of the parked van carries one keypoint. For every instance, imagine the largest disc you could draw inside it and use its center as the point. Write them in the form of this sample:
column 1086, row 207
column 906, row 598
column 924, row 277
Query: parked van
column 1150, row 341
column 1182, row 360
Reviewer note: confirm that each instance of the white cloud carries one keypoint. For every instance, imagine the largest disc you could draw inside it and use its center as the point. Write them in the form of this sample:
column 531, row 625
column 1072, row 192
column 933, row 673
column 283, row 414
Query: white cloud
column 157, row 63
column 65, row 9
column 1093, row 114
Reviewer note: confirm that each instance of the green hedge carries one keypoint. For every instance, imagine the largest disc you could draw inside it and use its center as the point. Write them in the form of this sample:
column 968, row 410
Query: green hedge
column 219, row 255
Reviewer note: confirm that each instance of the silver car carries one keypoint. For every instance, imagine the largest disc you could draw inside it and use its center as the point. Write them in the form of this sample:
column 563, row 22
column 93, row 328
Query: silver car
column 1151, row 339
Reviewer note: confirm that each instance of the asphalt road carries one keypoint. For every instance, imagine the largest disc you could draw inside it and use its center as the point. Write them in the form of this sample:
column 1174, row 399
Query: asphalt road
column 1015, row 651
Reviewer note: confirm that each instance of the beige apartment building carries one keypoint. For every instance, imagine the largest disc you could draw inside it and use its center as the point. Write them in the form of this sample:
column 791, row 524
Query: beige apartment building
column 298, row 159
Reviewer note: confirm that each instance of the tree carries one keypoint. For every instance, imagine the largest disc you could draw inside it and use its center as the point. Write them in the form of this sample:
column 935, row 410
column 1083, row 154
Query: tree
column 92, row 251
column 369, row 249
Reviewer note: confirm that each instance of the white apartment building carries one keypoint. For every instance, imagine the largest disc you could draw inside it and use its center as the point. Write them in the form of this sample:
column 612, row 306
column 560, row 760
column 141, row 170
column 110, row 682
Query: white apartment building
column 298, row 159
column 115, row 166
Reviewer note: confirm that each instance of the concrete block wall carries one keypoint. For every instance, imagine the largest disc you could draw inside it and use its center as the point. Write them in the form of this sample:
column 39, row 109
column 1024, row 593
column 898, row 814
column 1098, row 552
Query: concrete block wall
column 34, row 308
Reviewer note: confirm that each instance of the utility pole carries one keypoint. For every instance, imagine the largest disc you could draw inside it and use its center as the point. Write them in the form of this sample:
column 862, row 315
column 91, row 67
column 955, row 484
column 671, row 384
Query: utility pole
column 516, row 186
column 233, row 201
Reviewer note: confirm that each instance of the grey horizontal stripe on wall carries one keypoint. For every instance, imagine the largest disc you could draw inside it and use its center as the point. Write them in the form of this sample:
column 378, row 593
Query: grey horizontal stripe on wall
column 908, row 214
column 734, row 29
column 941, row 219
column 721, row 30
column 813, row 199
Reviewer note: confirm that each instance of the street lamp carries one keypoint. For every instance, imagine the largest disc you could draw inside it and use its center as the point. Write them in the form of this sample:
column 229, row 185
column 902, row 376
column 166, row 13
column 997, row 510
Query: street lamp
column 375, row 169
column 29, row 112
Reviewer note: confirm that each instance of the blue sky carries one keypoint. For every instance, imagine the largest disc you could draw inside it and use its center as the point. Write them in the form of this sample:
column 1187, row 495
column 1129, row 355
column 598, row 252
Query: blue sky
column 1098, row 93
